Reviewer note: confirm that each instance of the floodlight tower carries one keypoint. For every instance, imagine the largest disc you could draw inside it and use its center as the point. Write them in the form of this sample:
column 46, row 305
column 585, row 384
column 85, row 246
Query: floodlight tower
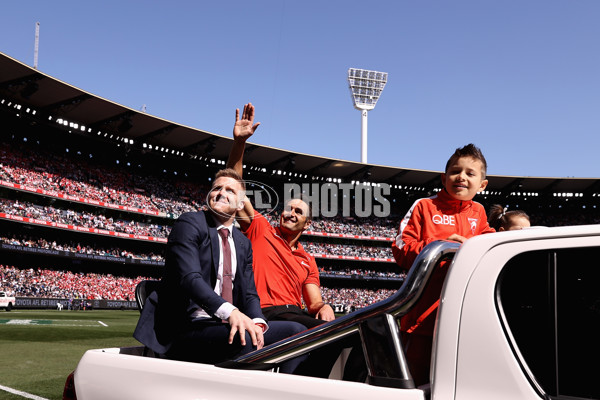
column 365, row 88
column 36, row 45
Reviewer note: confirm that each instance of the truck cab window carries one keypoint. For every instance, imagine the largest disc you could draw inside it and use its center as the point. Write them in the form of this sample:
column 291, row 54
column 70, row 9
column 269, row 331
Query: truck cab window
column 551, row 306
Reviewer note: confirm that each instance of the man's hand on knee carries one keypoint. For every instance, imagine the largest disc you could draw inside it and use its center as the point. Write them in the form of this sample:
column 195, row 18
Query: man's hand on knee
column 241, row 324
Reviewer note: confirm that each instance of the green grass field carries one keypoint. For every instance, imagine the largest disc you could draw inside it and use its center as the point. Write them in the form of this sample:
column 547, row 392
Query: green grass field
column 40, row 348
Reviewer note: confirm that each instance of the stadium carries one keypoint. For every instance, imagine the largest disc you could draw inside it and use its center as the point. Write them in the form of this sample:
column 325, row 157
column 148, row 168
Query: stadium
column 90, row 189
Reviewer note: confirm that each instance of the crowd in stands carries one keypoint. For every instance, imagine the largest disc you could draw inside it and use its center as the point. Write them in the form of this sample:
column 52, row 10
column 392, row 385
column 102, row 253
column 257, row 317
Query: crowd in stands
column 99, row 221
column 73, row 176
column 78, row 248
column 65, row 285
column 68, row 175
column 362, row 272
column 353, row 297
column 563, row 219
column 348, row 250
column 380, row 227
column 82, row 219
column 49, row 283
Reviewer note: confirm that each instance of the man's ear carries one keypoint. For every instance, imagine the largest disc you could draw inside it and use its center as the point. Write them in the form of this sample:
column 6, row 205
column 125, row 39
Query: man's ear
column 443, row 176
column 482, row 186
column 240, row 199
column 307, row 224
column 241, row 203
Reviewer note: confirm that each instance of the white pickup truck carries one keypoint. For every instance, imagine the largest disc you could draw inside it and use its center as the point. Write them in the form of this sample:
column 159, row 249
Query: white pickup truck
column 7, row 302
column 519, row 318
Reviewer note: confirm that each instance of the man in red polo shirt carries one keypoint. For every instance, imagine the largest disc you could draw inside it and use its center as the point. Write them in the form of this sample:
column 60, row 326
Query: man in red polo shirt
column 284, row 273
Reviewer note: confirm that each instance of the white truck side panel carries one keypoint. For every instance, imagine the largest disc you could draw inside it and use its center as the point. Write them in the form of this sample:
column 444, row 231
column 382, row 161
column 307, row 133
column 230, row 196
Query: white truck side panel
column 135, row 377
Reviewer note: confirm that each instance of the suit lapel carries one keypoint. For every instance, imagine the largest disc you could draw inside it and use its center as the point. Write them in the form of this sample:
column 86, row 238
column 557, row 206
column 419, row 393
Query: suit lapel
column 240, row 251
column 214, row 242
column 240, row 256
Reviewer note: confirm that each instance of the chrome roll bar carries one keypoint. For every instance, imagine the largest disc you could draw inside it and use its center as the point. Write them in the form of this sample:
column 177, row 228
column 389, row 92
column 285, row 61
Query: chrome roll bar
column 377, row 324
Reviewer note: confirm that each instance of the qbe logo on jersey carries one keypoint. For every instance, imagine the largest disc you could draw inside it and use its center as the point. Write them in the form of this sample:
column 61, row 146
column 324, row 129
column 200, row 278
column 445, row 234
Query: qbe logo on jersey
column 444, row 220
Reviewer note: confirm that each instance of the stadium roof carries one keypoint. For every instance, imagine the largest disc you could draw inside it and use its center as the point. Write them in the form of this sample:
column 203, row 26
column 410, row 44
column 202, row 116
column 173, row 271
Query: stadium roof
column 29, row 87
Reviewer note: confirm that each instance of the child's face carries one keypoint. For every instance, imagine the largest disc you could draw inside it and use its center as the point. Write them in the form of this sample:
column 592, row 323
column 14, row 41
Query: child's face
column 464, row 178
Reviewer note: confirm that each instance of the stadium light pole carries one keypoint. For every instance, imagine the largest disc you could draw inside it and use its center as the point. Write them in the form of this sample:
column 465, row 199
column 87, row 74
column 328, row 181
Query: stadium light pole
column 36, row 45
column 365, row 87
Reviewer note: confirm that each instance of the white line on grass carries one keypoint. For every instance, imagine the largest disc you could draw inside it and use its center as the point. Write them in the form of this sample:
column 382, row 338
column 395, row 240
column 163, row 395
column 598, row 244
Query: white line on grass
column 22, row 394
column 51, row 323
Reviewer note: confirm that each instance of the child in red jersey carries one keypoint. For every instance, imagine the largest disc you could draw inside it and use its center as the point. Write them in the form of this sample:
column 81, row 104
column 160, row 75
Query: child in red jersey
column 451, row 215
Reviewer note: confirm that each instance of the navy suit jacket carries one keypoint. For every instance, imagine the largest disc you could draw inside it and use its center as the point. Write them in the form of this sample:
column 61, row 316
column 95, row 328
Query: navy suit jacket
column 189, row 279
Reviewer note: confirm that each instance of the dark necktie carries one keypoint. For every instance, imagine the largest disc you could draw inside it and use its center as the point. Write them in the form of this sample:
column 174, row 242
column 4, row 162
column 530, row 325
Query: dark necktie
column 227, row 291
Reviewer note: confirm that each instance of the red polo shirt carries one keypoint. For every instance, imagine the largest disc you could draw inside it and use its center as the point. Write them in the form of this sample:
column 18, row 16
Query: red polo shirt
column 279, row 272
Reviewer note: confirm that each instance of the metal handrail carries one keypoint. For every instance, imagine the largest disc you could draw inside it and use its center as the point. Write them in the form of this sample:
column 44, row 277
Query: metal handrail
column 387, row 310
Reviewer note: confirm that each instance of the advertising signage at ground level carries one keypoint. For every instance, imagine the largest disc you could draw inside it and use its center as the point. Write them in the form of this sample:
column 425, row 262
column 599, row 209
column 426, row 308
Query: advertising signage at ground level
column 73, row 304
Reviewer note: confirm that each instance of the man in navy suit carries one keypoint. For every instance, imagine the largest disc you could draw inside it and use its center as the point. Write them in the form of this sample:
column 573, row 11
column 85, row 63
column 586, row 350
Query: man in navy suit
column 187, row 317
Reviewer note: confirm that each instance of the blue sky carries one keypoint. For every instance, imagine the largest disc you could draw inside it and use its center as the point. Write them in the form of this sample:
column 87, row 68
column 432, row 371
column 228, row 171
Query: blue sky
column 519, row 78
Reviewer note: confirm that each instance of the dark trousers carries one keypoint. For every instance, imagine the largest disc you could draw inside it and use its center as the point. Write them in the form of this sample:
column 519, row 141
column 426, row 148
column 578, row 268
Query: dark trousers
column 207, row 342
column 321, row 361
column 291, row 313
